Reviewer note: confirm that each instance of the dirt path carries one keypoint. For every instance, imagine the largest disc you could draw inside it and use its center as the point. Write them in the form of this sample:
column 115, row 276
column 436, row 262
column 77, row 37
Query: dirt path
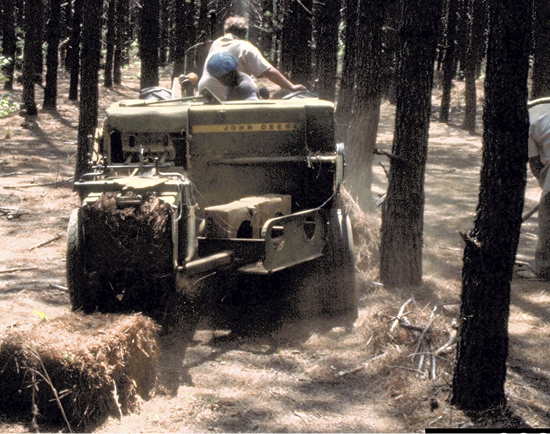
column 299, row 379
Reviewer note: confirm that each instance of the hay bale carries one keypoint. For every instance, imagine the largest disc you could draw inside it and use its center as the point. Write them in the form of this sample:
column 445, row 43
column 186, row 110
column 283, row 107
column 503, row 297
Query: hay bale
column 129, row 253
column 128, row 237
column 98, row 365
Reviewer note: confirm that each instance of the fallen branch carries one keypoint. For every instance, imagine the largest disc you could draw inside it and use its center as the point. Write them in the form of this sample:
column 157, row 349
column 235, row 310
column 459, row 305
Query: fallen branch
column 58, row 236
column 10, row 174
column 400, row 314
column 432, row 318
column 6, row 198
column 432, row 355
column 447, row 345
column 45, row 184
column 12, row 212
column 350, row 371
column 17, row 269
column 407, row 369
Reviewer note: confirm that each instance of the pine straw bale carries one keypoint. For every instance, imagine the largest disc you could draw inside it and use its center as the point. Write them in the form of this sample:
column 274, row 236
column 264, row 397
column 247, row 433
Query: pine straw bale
column 129, row 237
column 98, row 365
column 129, row 252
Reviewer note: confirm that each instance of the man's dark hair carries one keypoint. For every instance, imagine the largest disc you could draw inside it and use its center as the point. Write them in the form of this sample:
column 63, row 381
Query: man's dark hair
column 236, row 25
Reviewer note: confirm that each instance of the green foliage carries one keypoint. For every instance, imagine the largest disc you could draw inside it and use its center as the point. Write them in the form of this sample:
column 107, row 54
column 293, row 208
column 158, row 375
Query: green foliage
column 6, row 107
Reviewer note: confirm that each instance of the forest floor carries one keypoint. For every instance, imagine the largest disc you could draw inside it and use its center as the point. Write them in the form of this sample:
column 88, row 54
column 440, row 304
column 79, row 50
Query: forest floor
column 381, row 377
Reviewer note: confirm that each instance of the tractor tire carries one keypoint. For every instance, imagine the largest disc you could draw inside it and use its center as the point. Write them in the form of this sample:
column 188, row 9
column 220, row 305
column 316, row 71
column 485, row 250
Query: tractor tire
column 339, row 291
column 324, row 291
column 77, row 280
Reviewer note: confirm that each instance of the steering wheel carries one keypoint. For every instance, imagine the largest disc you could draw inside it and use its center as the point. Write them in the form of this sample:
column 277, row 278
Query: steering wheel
column 300, row 94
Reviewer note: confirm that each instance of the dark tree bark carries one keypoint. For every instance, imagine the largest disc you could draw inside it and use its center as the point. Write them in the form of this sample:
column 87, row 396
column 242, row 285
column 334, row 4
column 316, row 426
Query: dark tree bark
column 203, row 36
column 403, row 209
column 121, row 39
column 165, row 31
column 476, row 43
column 326, row 18
column 462, row 33
column 265, row 28
column 9, row 47
column 391, row 50
column 541, row 66
column 181, row 39
column 449, row 60
column 220, row 10
column 347, row 82
column 255, row 22
column 361, row 138
column 89, row 92
column 32, row 58
column 296, row 54
column 110, row 40
column 482, row 349
column 73, row 55
column 149, row 43
column 52, row 57
column 190, row 38
column 203, row 28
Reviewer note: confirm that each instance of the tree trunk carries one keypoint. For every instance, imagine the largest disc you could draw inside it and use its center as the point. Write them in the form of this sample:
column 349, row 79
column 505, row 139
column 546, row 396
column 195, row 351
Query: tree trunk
column 474, row 52
column 220, row 10
column 491, row 246
column 345, row 95
column 541, row 67
column 264, row 37
column 91, row 53
column 52, row 58
column 149, row 43
column 391, row 49
column 202, row 36
column 9, row 47
column 32, row 53
column 74, row 50
column 164, row 33
column 190, row 37
column 110, row 43
column 361, row 139
column 326, row 18
column 296, row 54
column 402, row 213
column 121, row 39
column 180, row 38
column 462, row 33
column 449, row 61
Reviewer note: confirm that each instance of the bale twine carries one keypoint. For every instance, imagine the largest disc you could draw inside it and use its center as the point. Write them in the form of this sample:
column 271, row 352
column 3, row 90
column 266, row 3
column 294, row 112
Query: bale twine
column 75, row 370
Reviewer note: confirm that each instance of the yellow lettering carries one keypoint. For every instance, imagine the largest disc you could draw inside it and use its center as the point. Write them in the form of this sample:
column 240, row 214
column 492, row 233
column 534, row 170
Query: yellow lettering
column 235, row 128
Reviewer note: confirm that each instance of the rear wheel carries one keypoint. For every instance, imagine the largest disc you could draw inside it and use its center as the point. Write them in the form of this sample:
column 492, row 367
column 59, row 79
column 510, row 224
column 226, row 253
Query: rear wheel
column 339, row 292
column 77, row 280
column 325, row 289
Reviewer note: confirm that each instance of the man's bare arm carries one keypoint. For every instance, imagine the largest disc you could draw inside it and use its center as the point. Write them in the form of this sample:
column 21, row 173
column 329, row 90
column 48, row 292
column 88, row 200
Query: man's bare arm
column 279, row 79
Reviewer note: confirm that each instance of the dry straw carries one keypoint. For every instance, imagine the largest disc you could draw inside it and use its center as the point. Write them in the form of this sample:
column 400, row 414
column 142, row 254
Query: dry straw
column 75, row 370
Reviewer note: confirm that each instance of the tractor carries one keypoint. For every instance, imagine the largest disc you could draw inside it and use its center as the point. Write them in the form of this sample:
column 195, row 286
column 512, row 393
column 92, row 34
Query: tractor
column 230, row 211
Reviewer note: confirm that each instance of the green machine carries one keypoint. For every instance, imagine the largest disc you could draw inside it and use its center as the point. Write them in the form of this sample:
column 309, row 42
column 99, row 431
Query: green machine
column 230, row 209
